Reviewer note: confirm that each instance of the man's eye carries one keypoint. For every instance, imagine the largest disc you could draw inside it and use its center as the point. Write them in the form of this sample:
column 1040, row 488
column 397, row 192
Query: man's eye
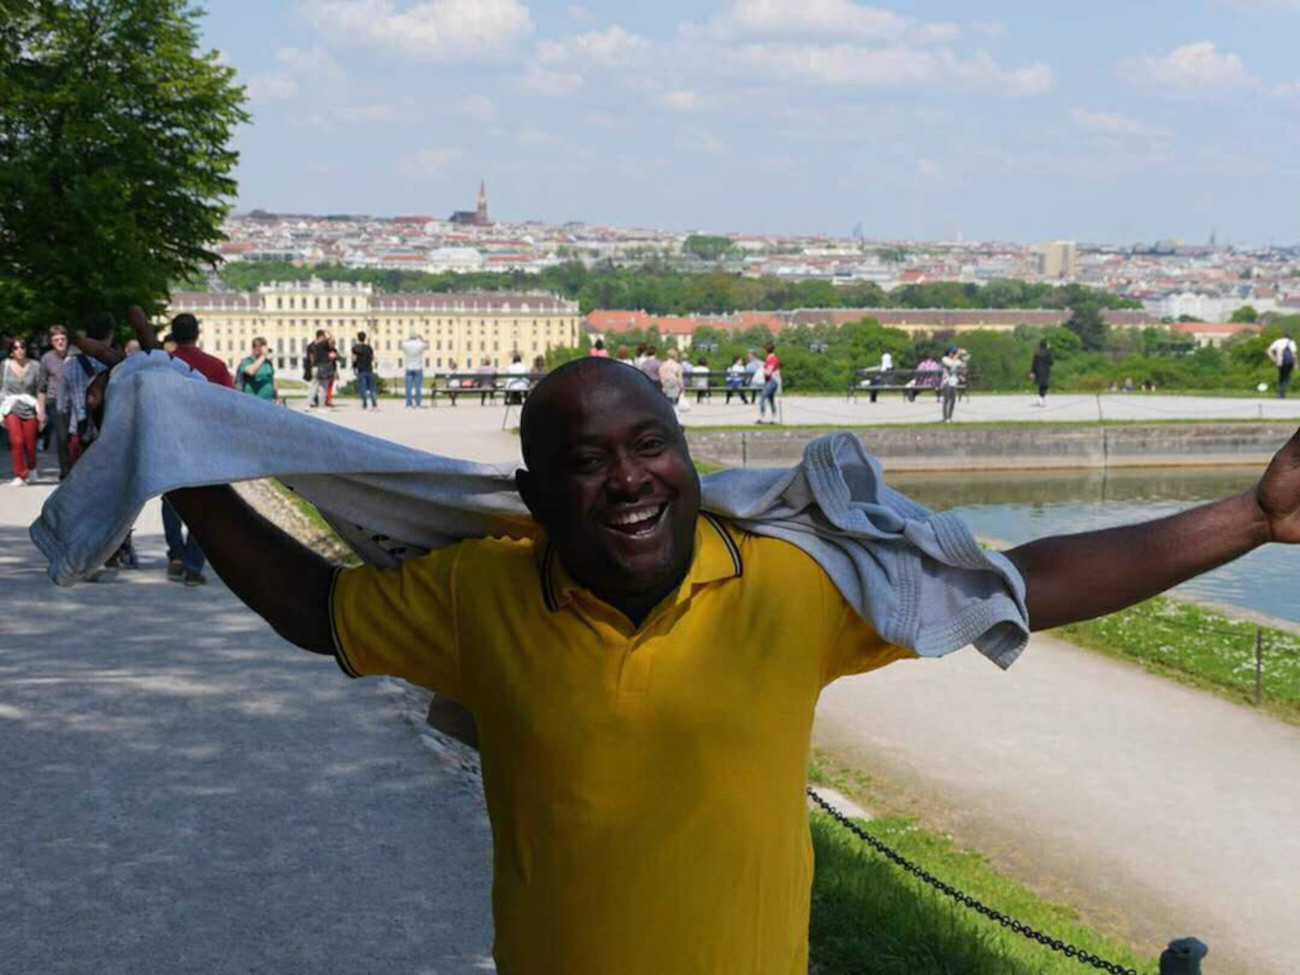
column 651, row 444
column 587, row 463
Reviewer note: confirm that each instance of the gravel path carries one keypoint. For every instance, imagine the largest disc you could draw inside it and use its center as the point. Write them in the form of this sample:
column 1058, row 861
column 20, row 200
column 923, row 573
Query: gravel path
column 1164, row 809
column 184, row 791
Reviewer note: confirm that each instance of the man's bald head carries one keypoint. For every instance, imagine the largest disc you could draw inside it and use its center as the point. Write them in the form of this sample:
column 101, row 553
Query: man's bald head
column 610, row 479
column 558, row 403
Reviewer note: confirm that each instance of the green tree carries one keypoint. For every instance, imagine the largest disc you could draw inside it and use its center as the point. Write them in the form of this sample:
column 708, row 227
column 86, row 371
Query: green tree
column 114, row 158
column 707, row 248
column 1086, row 321
column 1246, row 313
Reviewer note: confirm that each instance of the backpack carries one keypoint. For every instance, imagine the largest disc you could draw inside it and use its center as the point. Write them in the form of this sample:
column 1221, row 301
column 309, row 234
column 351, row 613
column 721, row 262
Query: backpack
column 1288, row 356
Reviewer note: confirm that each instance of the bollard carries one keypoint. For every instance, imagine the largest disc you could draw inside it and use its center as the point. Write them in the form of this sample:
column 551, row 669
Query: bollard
column 1183, row 957
column 1259, row 666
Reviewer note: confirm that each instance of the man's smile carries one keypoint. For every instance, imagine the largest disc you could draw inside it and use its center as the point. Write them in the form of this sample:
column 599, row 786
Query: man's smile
column 637, row 522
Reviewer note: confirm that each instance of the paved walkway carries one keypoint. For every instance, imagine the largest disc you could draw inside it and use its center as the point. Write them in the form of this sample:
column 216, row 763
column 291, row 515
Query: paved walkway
column 183, row 791
column 186, row 792
column 1169, row 810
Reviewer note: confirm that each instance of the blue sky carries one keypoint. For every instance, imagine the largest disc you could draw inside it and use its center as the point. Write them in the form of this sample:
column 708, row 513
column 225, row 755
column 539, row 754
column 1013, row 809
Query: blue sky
column 1103, row 122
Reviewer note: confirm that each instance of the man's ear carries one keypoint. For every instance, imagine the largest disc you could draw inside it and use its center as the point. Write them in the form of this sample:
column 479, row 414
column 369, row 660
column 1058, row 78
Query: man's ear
column 527, row 489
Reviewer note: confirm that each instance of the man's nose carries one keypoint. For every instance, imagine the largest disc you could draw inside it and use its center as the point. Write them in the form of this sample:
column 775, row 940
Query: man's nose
column 628, row 477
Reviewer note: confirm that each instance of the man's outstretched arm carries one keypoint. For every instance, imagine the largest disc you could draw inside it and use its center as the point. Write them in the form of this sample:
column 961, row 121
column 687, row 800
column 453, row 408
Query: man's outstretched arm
column 277, row 577
column 1078, row 577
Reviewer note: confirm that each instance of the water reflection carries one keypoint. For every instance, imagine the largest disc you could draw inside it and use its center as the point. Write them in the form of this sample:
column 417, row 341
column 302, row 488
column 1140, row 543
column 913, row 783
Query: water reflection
column 1017, row 507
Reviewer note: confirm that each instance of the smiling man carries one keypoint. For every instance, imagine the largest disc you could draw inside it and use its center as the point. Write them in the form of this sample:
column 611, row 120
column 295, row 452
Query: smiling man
column 644, row 675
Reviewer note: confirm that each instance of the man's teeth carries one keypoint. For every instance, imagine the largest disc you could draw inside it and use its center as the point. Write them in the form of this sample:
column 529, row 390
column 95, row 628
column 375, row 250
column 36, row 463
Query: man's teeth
column 634, row 517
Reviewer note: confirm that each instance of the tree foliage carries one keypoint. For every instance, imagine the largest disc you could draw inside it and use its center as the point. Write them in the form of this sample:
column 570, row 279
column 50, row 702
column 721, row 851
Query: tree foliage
column 706, row 247
column 114, row 159
column 661, row 291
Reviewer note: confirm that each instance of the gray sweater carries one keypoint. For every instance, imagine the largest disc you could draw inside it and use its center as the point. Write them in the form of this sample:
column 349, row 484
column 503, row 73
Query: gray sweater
column 918, row 578
column 13, row 385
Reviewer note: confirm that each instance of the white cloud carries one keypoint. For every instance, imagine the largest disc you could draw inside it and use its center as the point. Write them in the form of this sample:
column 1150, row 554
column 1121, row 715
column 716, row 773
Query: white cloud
column 847, row 64
column 537, row 80
column 1110, row 124
column 314, row 63
column 1191, row 69
column 481, row 108
column 989, row 28
column 272, row 87
column 429, row 162
column 533, row 137
column 808, row 18
column 610, row 47
column 435, row 30
column 685, row 100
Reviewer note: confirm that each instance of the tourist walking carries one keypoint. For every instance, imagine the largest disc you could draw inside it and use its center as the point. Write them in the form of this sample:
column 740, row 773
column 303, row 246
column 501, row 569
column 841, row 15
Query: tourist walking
column 52, row 363
column 255, row 373
column 333, row 375
column 1283, row 354
column 363, row 365
column 736, row 381
column 22, row 408
column 671, row 377
column 1041, row 370
column 650, row 364
column 185, row 558
column 771, row 373
column 79, row 371
column 318, row 369
column 700, row 380
column 952, row 367
column 598, row 349
column 413, row 350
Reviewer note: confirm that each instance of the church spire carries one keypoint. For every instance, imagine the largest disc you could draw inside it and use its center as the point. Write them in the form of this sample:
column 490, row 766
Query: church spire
column 482, row 213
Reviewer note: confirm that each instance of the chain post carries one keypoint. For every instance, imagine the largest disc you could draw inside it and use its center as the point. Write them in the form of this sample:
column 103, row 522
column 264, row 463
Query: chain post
column 1183, row 957
column 1259, row 666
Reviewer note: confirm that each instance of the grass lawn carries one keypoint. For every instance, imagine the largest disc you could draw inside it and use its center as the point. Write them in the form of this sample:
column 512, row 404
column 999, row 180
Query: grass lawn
column 868, row 916
column 1199, row 646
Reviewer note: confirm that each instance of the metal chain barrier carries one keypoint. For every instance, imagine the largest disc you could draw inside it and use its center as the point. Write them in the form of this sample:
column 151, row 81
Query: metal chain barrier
column 1055, row 944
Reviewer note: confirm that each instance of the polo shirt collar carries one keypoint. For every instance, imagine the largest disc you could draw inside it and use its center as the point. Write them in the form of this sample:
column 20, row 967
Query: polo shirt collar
column 717, row 556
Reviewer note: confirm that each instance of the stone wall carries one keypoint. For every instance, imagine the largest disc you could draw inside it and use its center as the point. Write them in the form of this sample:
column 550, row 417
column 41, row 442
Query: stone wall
column 958, row 447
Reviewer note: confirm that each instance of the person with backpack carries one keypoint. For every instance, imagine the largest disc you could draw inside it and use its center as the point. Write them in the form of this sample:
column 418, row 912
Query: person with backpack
column 255, row 373
column 363, row 364
column 1283, row 354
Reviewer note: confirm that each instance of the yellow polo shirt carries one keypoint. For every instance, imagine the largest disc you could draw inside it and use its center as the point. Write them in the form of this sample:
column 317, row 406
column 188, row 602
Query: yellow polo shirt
column 645, row 785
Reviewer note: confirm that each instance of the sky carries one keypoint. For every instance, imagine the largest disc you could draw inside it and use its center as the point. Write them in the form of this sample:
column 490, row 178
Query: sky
column 1105, row 122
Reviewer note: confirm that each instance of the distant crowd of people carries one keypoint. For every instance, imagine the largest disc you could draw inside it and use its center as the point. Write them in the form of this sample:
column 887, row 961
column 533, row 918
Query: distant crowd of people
column 749, row 376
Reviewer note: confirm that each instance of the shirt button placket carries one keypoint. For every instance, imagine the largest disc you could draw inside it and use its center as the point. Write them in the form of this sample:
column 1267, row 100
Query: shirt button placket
column 634, row 678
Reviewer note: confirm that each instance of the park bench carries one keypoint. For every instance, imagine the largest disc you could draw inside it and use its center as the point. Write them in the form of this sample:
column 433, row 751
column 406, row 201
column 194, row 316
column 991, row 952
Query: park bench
column 873, row 381
column 486, row 386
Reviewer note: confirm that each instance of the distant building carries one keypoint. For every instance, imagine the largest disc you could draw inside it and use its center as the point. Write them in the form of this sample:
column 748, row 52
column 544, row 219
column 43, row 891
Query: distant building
column 477, row 217
column 465, row 328
column 1059, row 260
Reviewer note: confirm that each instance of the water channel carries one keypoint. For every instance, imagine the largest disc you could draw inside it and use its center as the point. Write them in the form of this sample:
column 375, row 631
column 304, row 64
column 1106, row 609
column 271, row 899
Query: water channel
column 1018, row 507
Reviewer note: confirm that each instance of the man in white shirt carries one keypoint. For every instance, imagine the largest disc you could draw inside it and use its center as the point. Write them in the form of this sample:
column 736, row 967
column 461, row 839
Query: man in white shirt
column 1283, row 354
column 413, row 350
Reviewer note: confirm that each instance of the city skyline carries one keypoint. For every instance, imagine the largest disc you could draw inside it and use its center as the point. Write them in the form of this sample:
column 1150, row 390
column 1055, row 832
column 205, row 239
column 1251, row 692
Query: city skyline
column 930, row 121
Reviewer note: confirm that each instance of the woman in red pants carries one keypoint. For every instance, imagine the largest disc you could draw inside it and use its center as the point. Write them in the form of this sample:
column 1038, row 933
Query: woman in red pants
column 22, row 404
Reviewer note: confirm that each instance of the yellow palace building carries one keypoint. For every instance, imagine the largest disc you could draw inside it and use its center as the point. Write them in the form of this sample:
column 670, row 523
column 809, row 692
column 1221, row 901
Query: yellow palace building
column 462, row 329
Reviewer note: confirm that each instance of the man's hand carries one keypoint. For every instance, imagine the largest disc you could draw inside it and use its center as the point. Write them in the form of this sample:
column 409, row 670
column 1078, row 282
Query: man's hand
column 112, row 356
column 1278, row 494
